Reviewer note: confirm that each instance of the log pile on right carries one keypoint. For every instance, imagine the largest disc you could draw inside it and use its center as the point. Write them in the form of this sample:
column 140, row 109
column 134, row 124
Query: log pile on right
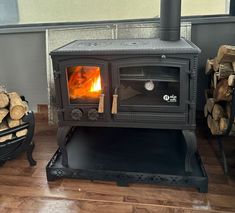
column 218, row 109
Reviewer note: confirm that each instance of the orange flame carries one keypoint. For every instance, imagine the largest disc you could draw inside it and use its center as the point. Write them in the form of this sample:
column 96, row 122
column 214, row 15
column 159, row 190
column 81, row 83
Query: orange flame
column 84, row 82
column 96, row 85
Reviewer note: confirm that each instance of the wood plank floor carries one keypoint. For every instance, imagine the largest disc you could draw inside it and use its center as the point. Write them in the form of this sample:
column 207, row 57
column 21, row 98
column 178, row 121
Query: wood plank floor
column 25, row 189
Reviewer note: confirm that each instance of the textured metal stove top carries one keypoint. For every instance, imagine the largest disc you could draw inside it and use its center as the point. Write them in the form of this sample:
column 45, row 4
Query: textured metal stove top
column 126, row 46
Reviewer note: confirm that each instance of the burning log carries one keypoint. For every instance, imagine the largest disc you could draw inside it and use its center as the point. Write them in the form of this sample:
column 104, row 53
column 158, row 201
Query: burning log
column 17, row 107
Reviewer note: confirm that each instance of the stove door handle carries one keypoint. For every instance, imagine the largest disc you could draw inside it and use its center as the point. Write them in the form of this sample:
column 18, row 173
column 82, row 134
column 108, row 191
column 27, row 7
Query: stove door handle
column 101, row 104
column 114, row 104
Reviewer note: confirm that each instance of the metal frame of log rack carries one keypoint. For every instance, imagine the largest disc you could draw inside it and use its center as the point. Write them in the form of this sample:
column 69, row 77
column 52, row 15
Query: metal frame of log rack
column 226, row 133
column 10, row 149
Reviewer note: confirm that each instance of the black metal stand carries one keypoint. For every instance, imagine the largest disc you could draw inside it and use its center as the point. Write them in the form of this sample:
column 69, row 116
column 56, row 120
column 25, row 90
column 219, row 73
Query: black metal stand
column 10, row 149
column 64, row 134
column 219, row 138
column 128, row 155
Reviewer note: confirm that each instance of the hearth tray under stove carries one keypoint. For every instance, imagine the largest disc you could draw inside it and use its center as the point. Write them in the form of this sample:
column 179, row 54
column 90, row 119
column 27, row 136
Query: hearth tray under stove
column 128, row 156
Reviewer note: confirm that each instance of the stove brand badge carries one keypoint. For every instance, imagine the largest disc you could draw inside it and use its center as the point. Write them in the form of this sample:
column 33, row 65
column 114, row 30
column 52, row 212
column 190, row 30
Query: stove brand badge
column 170, row 98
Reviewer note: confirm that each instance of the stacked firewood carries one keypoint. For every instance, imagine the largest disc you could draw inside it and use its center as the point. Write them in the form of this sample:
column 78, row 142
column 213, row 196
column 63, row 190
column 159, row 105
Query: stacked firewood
column 217, row 109
column 12, row 109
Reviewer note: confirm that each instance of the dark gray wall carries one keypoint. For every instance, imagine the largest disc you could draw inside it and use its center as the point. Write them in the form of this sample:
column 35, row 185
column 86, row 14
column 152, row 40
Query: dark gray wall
column 23, row 56
column 23, row 65
column 209, row 37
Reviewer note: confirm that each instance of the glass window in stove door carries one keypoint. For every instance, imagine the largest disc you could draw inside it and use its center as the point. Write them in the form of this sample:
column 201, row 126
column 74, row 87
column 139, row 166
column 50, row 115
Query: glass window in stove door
column 149, row 85
column 84, row 84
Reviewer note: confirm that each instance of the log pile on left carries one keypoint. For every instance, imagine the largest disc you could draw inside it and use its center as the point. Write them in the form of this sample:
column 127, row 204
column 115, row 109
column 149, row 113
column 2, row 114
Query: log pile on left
column 12, row 110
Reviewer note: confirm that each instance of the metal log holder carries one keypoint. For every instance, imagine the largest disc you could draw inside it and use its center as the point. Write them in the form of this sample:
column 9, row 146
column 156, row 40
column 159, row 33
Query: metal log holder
column 224, row 134
column 10, row 149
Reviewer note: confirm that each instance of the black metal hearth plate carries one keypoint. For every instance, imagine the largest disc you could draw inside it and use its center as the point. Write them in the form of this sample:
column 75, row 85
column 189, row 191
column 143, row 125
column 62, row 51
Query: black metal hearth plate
column 128, row 155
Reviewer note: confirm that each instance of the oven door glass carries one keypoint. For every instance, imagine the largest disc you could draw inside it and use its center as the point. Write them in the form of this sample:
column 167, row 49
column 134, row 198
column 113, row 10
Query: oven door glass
column 149, row 86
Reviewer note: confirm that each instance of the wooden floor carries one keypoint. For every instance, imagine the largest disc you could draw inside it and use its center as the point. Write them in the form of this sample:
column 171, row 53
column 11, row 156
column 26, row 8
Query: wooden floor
column 25, row 189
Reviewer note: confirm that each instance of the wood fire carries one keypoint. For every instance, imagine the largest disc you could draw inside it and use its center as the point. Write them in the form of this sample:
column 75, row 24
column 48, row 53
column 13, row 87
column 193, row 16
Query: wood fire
column 84, row 82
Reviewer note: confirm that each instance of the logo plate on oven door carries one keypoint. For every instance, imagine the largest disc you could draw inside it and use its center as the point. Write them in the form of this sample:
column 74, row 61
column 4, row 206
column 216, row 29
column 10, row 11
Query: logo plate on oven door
column 170, row 98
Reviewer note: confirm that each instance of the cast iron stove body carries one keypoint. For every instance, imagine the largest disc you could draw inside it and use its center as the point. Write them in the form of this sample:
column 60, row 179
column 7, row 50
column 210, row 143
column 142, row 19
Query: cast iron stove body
column 146, row 83
column 132, row 83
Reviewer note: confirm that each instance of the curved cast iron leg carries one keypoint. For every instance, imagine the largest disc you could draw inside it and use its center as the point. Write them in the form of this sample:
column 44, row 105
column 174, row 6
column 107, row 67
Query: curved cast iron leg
column 191, row 148
column 29, row 153
column 62, row 134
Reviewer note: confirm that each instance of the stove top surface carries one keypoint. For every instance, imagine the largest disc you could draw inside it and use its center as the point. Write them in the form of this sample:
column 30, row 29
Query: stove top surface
column 126, row 46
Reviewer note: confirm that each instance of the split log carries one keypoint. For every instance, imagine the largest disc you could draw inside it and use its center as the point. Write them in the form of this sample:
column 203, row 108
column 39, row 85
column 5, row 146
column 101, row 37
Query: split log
column 205, row 111
column 222, row 91
column 26, row 106
column 17, row 107
column 215, row 80
column 231, row 80
column 225, row 70
column 209, row 66
column 210, row 104
column 3, row 126
column 217, row 112
column 4, row 100
column 13, row 123
column 214, row 127
column 209, row 121
column 215, row 64
column 226, row 53
column 3, row 114
column 223, row 124
column 21, row 133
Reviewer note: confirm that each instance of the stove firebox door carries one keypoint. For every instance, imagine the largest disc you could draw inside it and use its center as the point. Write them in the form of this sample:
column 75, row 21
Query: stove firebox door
column 148, row 86
column 85, row 94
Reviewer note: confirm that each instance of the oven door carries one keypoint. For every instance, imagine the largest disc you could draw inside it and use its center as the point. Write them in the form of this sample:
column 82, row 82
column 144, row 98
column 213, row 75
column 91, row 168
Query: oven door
column 144, row 89
column 84, row 90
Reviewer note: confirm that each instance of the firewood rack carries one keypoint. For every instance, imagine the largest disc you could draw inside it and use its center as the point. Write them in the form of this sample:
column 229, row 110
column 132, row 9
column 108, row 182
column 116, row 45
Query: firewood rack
column 219, row 138
column 10, row 149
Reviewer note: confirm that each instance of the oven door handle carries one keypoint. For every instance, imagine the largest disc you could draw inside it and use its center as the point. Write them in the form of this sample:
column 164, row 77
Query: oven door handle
column 115, row 100
column 101, row 104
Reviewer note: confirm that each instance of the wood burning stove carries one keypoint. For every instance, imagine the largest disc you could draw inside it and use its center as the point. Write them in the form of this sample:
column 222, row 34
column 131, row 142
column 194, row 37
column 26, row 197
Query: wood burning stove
column 131, row 83
column 139, row 83
column 146, row 83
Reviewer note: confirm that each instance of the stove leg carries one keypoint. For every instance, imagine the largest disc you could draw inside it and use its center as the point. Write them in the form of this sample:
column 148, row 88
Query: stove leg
column 191, row 148
column 62, row 135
